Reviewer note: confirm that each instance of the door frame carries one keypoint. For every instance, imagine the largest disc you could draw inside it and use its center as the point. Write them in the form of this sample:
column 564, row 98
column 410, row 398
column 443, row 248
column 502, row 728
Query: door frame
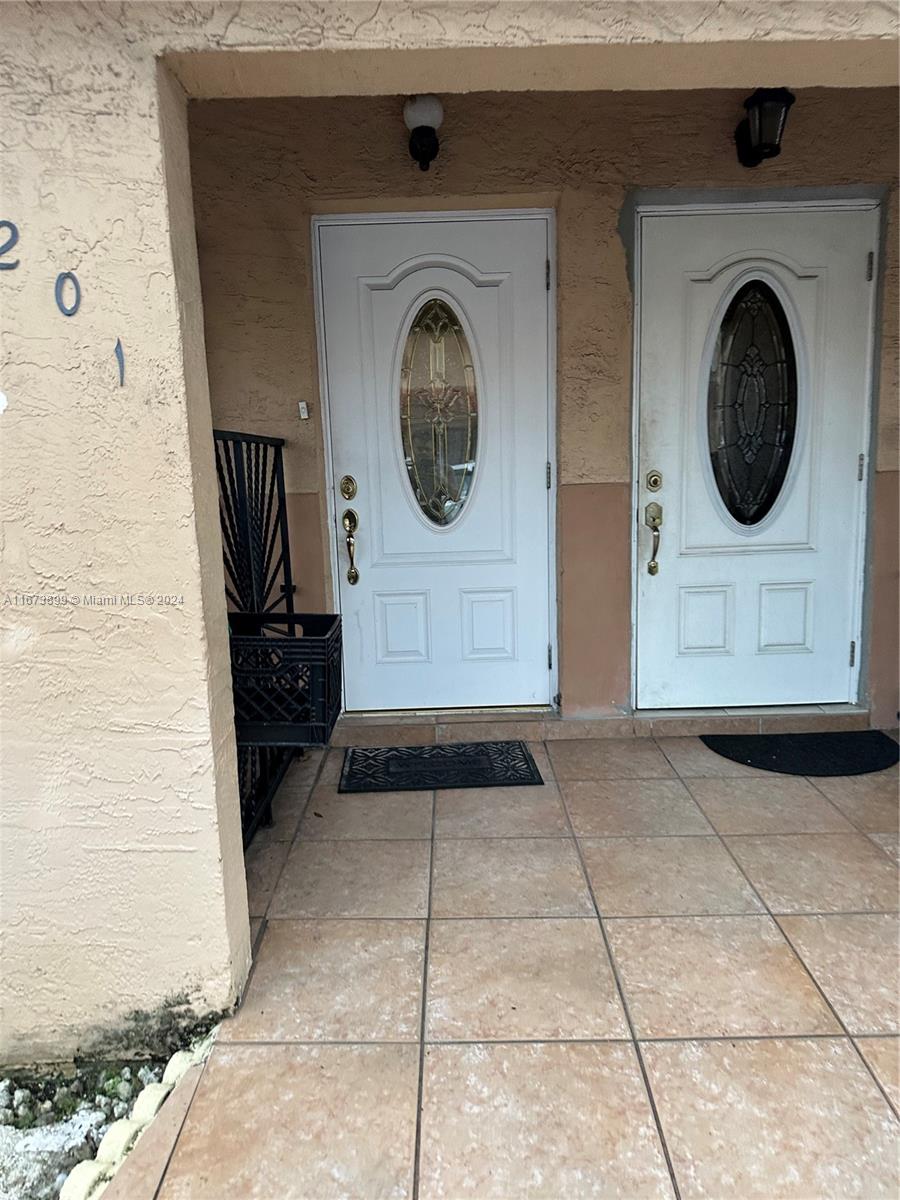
column 430, row 216
column 864, row 202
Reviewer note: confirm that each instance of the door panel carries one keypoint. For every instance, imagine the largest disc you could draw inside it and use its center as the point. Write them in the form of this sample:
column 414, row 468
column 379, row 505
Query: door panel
column 756, row 596
column 436, row 357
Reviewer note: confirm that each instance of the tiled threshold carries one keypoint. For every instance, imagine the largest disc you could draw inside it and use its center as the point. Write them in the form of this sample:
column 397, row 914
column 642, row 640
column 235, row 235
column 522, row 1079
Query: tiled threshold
column 418, row 729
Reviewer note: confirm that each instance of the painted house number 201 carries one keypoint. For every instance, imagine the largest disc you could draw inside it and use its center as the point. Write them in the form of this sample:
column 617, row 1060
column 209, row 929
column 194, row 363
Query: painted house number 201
column 66, row 290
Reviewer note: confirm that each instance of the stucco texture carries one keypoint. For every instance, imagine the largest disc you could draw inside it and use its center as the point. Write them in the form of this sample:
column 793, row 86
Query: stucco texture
column 122, row 880
column 262, row 168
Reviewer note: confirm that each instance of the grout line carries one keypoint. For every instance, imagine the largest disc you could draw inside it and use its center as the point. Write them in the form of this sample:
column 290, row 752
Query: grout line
column 834, row 1036
column 420, row 917
column 623, row 1001
column 183, row 1122
column 417, row 1145
column 856, row 825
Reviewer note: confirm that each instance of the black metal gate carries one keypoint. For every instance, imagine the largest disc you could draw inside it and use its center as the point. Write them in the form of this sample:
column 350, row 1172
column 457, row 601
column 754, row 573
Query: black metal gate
column 253, row 513
column 285, row 666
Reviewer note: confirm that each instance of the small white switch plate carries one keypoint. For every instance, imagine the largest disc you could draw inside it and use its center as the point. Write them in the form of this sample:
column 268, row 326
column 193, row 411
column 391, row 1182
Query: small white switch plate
column 304, row 410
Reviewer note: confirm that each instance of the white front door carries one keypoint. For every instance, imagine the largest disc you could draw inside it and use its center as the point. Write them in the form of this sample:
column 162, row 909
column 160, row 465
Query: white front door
column 755, row 336
column 435, row 334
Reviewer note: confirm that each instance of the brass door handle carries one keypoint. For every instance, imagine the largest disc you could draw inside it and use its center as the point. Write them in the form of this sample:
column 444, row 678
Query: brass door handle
column 653, row 518
column 350, row 522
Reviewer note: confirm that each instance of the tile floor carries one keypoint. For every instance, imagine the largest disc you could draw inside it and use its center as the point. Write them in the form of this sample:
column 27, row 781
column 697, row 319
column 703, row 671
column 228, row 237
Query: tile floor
column 662, row 974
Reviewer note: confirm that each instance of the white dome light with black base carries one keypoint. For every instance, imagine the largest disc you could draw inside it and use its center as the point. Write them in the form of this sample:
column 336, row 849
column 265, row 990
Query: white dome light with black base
column 423, row 116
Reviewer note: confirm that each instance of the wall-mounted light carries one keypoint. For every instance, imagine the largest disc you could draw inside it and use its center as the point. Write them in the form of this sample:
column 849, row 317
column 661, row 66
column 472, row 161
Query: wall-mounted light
column 758, row 136
column 423, row 116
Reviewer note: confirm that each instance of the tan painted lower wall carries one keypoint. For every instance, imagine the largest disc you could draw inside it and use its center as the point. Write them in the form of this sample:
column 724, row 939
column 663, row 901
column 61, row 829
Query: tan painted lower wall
column 262, row 168
column 884, row 633
column 594, row 527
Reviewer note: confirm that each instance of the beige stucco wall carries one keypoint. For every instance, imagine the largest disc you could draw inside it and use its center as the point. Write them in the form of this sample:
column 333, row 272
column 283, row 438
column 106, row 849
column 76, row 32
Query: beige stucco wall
column 121, row 869
column 262, row 168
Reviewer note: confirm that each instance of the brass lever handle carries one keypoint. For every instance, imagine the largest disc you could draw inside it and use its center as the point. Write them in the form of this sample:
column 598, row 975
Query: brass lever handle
column 350, row 521
column 653, row 518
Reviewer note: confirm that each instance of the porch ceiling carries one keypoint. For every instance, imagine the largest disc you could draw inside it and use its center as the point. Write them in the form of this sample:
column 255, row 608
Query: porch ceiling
column 231, row 74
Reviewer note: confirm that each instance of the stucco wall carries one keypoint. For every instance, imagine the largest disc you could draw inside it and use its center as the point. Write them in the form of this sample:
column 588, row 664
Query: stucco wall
column 261, row 168
column 121, row 868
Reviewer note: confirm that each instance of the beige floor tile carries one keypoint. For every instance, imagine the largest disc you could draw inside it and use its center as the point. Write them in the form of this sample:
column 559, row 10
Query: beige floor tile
column 301, row 774
column 889, row 843
column 299, row 1123
column 780, row 804
column 854, row 960
column 567, row 728
column 139, row 1176
column 354, row 879
column 511, row 979
column 388, row 734
column 650, row 877
column 332, row 766
column 389, row 815
column 872, row 802
column 255, row 927
column 691, row 758
column 773, row 1120
column 883, row 1056
column 334, row 981
column 555, row 1121
column 608, row 758
column 489, row 731
column 514, row 877
column 619, row 807
column 715, row 977
column 541, row 758
column 500, row 812
column 818, row 872
column 263, row 862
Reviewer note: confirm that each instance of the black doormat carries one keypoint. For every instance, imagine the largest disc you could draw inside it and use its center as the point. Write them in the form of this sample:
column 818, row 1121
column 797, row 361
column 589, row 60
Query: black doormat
column 418, row 768
column 852, row 753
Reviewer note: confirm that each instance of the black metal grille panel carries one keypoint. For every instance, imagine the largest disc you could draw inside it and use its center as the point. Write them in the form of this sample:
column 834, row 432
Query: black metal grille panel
column 286, row 677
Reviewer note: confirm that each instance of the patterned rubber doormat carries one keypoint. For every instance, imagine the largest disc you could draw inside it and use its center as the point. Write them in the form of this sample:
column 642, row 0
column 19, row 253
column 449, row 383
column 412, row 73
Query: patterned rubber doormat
column 420, row 768
column 852, row 753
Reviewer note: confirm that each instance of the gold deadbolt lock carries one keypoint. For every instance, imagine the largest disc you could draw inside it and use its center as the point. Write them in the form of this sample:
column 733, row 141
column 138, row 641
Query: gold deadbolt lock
column 347, row 487
column 654, row 481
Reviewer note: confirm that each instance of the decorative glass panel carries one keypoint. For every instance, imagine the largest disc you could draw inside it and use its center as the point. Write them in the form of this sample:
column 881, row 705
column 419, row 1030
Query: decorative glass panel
column 438, row 412
column 752, row 403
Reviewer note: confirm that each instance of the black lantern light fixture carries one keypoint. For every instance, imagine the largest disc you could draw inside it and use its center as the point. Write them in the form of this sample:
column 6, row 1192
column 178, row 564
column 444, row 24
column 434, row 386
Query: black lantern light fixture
column 758, row 136
column 423, row 116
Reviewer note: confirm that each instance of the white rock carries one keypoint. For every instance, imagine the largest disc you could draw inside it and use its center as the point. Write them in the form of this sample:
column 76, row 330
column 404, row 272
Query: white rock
column 85, row 1180
column 118, row 1140
column 180, row 1061
column 31, row 1160
column 149, row 1102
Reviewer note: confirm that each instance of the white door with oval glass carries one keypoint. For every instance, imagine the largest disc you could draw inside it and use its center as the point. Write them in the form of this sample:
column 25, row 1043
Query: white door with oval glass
column 435, row 338
column 755, row 341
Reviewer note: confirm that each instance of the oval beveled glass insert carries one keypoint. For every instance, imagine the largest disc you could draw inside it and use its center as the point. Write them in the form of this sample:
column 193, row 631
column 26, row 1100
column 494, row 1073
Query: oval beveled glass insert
column 752, row 402
column 438, row 412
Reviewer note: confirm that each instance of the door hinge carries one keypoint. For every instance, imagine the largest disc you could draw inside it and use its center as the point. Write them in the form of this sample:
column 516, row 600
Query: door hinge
column 547, row 275
column 549, row 656
column 853, row 654
column 870, row 266
column 860, row 467
column 548, row 476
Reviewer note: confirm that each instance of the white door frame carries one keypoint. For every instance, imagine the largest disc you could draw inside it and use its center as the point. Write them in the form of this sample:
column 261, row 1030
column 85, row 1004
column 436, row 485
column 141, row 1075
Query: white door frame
column 493, row 214
column 843, row 204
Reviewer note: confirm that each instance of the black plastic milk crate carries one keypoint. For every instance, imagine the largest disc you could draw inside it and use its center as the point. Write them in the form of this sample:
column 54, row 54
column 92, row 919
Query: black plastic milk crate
column 286, row 676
